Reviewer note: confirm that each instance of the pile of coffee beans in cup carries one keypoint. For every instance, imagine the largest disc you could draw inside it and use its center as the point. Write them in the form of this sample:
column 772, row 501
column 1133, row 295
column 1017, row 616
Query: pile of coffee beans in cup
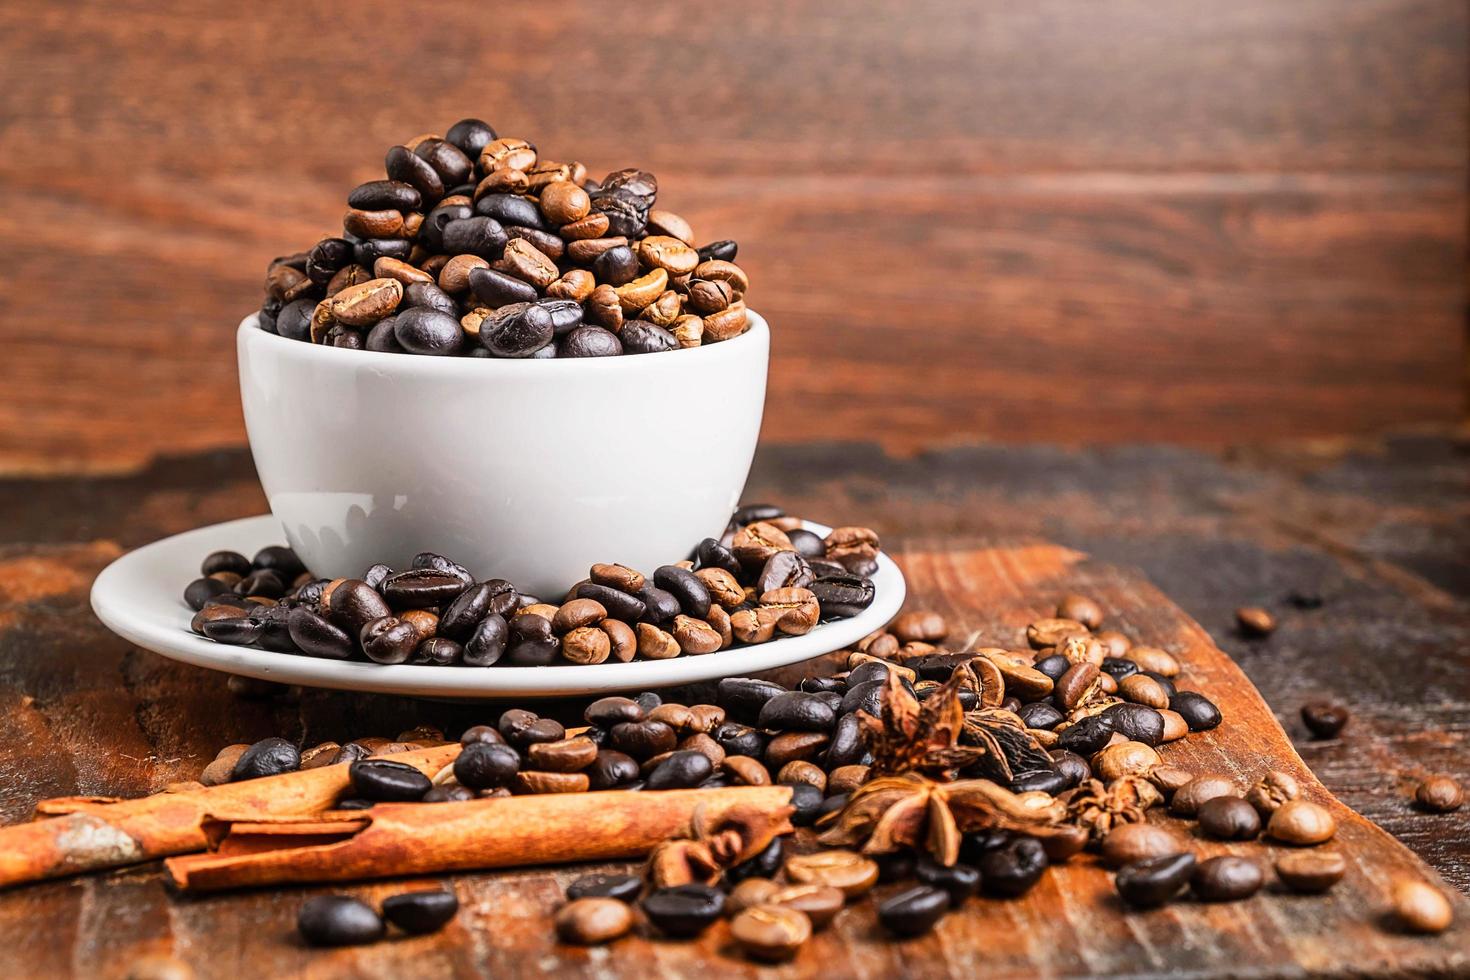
column 474, row 244
column 766, row 577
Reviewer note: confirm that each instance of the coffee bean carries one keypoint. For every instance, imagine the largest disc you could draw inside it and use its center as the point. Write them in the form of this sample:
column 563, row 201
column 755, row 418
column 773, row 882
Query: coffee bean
column 612, row 768
column 642, row 739
column 1198, row 711
column 739, row 740
column 262, row 582
column 375, row 195
column 1194, row 794
column 1010, row 870
column 692, row 595
column 316, row 636
column 1438, row 794
column 1154, row 881
column 486, row 765
column 268, row 757
column 1255, row 621
column 337, row 920
column 643, row 337
column 1324, row 720
column 770, row 933
column 517, row 330
column 567, row 755
column 1302, row 823
column 471, row 136
column 1086, row 736
column 806, row 801
column 959, row 881
column 711, row 554
column 681, row 770
column 849, row 872
column 487, row 641
column 1226, row 878
column 389, row 640
column 1135, row 842
column 401, row 164
column 592, row 921
column 1310, row 872
column 386, row 781
column 201, row 590
column 683, row 911
column 1229, row 818
column 1039, row 714
column 498, row 289
column 612, row 710
column 532, row 641
column 421, row 912
column 914, row 911
column 1420, row 907
column 625, row 888
column 225, row 561
column 796, row 711
column 841, row 596
column 448, row 160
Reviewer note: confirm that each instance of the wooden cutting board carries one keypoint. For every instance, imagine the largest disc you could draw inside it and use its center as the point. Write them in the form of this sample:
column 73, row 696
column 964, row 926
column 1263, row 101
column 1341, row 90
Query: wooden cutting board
column 1071, row 924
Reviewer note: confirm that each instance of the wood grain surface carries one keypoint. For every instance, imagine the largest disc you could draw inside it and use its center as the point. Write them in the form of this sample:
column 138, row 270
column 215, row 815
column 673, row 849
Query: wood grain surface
column 1377, row 529
column 1063, row 220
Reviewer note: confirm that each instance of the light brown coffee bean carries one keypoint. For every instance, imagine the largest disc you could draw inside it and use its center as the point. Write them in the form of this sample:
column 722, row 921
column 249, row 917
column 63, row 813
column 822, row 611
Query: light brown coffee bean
column 324, row 754
column 635, row 295
column 1168, row 779
column 725, row 324
column 1272, row 790
column 1082, row 609
column 1302, row 823
column 510, row 152
column 604, row 309
column 1117, row 644
column 794, row 745
column 373, row 224
column 424, row 621
column 755, row 543
column 708, row 296
column 1175, row 727
column 619, row 577
column 577, row 613
column 623, row 642
column 569, row 755
column 746, row 770
column 503, row 180
column 1420, row 907
column 695, row 636
column 218, row 772
column 706, row 717
column 750, row 892
column 1188, row 798
column 594, row 225
column 593, row 921
column 1143, row 689
column 688, row 331
column 667, row 253
column 1125, row 759
column 1082, row 650
column 1051, row 632
column 359, row 306
column 387, row 267
column 1079, row 685
column 702, row 743
column 454, row 277
column 923, row 625
column 527, row 263
column 664, row 310
column 770, row 933
column 1255, row 621
column 586, row 645
column 530, row 781
column 1310, row 872
column 655, row 644
column 1154, row 659
column 670, row 224
column 1439, row 794
column 575, row 284
column 847, row 871
column 586, row 250
column 725, row 272
column 819, row 903
column 563, row 202
column 801, row 771
column 1140, row 842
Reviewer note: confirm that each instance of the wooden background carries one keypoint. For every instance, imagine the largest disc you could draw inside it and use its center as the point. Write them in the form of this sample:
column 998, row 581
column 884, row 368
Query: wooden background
column 1066, row 221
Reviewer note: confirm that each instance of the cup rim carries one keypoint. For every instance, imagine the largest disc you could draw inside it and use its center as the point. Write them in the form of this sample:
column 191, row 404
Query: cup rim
column 482, row 367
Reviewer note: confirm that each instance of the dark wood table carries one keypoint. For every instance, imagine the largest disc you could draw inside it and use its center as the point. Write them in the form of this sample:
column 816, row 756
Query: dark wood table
column 1377, row 530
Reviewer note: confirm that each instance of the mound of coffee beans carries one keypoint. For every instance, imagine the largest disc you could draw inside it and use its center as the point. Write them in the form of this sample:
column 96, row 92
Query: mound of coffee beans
column 766, row 577
column 476, row 245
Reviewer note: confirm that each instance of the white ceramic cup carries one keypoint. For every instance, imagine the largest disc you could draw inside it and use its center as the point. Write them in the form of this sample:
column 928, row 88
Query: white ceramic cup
column 525, row 470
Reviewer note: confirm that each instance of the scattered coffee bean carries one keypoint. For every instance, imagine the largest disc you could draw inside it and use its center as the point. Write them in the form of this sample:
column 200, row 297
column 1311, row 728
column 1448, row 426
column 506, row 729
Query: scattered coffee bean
column 1310, row 872
column 683, row 911
column 1226, row 878
column 486, row 765
column 386, row 781
column 1135, row 842
column 1154, row 881
column 847, row 871
column 1420, row 907
column 1010, row 870
column 1229, row 818
column 1187, row 799
column 914, row 911
column 1301, row 822
column 622, row 887
column 421, row 912
column 1439, row 794
column 593, row 921
column 1255, row 621
column 770, row 933
column 1324, row 720
column 337, row 920
column 1272, row 790
column 268, row 757
column 959, row 881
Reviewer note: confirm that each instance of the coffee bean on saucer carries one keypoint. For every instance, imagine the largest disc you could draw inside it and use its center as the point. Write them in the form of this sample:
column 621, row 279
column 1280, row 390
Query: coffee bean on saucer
column 337, row 920
column 421, row 912
column 386, row 781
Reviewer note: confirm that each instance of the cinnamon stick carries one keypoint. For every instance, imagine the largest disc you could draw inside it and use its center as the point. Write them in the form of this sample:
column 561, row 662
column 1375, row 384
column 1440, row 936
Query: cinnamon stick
column 74, row 835
column 396, row 839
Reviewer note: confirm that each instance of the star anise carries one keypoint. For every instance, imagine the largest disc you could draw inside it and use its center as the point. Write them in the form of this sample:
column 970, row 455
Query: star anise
column 911, row 810
column 712, row 847
column 1098, row 808
column 915, row 736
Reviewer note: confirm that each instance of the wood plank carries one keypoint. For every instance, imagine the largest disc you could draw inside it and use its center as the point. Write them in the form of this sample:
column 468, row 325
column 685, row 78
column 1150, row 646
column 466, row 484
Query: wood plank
column 1246, row 220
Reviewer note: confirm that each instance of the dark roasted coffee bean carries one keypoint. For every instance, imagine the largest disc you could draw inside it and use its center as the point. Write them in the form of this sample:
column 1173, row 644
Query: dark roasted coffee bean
column 317, row 636
column 354, row 604
column 1048, row 781
column 429, row 296
column 1054, row 666
column 1161, row 680
column 386, row 781
column 479, row 235
column 711, row 554
column 421, row 588
column 611, row 768
column 737, row 739
column 517, row 330
column 380, row 195
column 609, row 711
column 681, row 770
column 337, row 920
column 1010, row 870
column 382, row 339
column 499, row 289
column 1040, row 714
column 625, row 888
column 262, row 582
column 1229, row 818
column 431, row 232
column 438, row 563
column 691, row 593
column 420, row 330
column 1087, row 736
column 897, row 866
column 471, row 136
column 511, row 209
column 846, row 747
column 590, row 341
column 566, row 315
column 806, row 801
column 638, row 186
column 330, row 255
column 487, row 641
column 294, row 320
column 355, row 804
column 914, row 911
column 643, row 337
column 1153, row 882
column 722, row 250
column 619, row 604
column 872, row 670
column 279, row 559
column 421, row 912
column 486, row 765
column 746, row 696
column 642, row 739
column 532, row 642
column 448, row 160
column 807, row 544
column 766, row 864
column 464, row 613
column 481, row 733
column 225, row 561
column 958, row 881
column 368, row 252
column 389, row 640
column 818, row 685
column 625, row 218
column 684, row 911
column 1119, row 668
column 1226, row 878
column 268, row 757
column 784, row 570
column 1137, row 722
column 1072, row 766
column 841, row 596
column 797, row 711
column 440, row 651
column 1198, row 711
column 403, row 165
column 616, row 266
column 201, row 590
column 866, row 697
column 659, row 605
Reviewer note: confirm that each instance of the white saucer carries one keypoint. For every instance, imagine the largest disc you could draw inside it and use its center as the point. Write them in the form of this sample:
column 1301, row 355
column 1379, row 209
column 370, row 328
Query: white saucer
column 140, row 597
